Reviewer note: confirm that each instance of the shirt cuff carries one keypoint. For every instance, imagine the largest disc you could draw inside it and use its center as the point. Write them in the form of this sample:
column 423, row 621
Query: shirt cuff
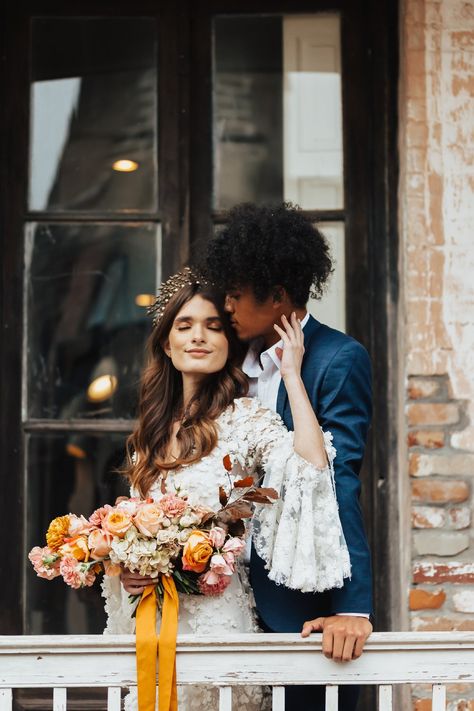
column 354, row 614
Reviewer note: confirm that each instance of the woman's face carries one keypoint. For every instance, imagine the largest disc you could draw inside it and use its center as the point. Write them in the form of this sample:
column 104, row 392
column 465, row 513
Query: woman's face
column 197, row 344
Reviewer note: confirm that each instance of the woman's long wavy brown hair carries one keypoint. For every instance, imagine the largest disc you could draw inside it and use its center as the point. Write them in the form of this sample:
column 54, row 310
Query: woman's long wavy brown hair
column 161, row 400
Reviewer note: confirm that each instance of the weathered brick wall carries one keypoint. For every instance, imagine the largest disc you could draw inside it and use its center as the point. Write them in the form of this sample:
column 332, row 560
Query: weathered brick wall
column 437, row 236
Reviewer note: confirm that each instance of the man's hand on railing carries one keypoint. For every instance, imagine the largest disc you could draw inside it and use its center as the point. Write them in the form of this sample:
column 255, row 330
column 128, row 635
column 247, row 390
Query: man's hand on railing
column 343, row 636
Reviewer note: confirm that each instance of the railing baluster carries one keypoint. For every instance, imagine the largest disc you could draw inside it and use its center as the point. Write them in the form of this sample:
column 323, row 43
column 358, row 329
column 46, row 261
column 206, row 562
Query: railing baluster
column 278, row 698
column 113, row 698
column 439, row 698
column 59, row 698
column 331, row 698
column 225, row 698
column 385, row 697
column 6, row 700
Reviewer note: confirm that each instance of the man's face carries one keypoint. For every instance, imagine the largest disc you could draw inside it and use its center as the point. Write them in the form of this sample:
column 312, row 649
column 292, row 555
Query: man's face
column 251, row 318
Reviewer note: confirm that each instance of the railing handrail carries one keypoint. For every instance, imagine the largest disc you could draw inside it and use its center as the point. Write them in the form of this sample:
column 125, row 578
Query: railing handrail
column 258, row 659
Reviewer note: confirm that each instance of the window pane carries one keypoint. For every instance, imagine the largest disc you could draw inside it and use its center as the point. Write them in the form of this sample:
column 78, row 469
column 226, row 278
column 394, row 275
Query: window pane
column 93, row 103
column 277, row 110
column 86, row 324
column 331, row 309
column 248, row 159
column 67, row 472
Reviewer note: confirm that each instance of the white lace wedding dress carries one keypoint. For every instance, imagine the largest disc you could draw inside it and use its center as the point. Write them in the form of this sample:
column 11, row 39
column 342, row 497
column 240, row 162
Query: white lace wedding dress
column 300, row 536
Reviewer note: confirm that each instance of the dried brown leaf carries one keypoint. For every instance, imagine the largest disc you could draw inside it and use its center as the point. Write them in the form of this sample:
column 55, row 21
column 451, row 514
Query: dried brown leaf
column 223, row 498
column 243, row 483
column 227, row 462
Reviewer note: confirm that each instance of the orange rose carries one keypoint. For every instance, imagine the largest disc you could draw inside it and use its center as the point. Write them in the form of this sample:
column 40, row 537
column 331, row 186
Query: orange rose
column 197, row 551
column 117, row 523
column 77, row 547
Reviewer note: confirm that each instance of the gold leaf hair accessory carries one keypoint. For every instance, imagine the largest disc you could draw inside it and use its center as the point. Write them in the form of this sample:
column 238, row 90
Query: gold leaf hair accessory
column 171, row 286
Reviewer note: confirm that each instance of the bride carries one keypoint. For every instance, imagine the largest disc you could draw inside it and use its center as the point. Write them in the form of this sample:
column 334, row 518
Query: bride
column 192, row 414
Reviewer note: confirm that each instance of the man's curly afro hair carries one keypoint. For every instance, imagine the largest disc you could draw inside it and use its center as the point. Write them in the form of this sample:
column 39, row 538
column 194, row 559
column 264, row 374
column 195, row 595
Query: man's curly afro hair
column 263, row 246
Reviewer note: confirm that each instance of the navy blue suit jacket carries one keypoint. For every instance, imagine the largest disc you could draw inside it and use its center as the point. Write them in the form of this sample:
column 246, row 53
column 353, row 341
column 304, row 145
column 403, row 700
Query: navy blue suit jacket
column 336, row 372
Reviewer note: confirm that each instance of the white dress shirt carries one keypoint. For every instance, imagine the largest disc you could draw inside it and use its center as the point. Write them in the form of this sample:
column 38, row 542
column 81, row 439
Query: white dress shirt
column 263, row 371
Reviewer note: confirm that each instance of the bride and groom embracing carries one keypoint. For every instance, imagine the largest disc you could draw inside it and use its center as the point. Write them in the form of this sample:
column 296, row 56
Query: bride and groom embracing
column 293, row 403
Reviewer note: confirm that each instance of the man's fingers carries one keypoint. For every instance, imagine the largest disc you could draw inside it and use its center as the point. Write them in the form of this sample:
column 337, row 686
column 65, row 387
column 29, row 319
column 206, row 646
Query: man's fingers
column 359, row 646
column 348, row 648
column 315, row 625
column 328, row 643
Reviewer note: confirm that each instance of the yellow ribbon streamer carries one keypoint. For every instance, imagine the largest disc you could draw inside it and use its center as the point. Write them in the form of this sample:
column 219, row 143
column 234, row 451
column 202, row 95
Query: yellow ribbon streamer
column 147, row 644
column 167, row 692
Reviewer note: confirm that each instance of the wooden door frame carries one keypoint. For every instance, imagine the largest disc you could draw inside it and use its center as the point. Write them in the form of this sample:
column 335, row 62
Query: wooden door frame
column 370, row 74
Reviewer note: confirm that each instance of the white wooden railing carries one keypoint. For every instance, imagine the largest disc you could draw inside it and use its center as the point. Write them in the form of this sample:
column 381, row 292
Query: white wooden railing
column 392, row 658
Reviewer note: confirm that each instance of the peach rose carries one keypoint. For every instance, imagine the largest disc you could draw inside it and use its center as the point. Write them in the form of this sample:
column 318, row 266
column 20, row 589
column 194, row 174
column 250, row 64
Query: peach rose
column 197, row 551
column 100, row 543
column 220, row 566
column 217, row 536
column 117, row 523
column 234, row 545
column 78, row 525
column 111, row 569
column 148, row 519
column 77, row 548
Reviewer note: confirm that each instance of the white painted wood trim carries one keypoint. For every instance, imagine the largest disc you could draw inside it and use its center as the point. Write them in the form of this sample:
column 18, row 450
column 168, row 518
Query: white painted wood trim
column 114, row 698
column 385, row 698
column 280, row 659
column 278, row 698
column 59, row 699
column 332, row 695
column 438, row 698
column 225, row 698
column 6, row 699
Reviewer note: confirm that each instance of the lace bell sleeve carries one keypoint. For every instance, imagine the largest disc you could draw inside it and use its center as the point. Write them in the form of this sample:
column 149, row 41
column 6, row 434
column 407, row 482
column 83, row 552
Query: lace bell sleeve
column 118, row 608
column 300, row 536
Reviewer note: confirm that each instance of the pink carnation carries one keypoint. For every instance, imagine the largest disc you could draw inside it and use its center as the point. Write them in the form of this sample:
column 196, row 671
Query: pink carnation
column 76, row 574
column 45, row 562
column 172, row 506
column 98, row 515
column 212, row 584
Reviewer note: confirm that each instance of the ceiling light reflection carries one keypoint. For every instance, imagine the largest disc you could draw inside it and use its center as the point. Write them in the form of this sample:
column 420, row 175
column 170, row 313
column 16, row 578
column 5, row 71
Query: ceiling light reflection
column 145, row 299
column 124, row 165
column 102, row 388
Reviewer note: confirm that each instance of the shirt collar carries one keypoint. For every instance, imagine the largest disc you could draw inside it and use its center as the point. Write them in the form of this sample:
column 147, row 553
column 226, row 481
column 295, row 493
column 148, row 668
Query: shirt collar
column 251, row 365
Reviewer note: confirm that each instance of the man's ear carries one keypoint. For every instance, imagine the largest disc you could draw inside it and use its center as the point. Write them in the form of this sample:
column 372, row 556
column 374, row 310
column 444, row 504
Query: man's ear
column 278, row 295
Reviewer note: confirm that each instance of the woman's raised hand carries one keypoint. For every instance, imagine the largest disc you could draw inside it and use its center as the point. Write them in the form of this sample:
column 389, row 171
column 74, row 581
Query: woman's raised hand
column 291, row 355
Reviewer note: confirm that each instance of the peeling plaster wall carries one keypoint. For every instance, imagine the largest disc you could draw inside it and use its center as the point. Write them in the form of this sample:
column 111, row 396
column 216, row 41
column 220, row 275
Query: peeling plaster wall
column 437, row 194
column 436, row 199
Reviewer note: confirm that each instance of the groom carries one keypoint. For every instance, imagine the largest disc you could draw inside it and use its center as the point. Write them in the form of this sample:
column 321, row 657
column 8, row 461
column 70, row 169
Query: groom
column 268, row 259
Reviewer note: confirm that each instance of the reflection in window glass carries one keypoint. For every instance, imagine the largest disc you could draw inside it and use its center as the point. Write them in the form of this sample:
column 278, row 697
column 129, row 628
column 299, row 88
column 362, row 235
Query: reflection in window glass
column 88, row 287
column 277, row 110
column 93, row 104
column 68, row 472
column 248, row 161
column 331, row 308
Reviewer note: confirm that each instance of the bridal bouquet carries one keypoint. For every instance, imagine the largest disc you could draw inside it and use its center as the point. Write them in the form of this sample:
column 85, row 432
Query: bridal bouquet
column 194, row 545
